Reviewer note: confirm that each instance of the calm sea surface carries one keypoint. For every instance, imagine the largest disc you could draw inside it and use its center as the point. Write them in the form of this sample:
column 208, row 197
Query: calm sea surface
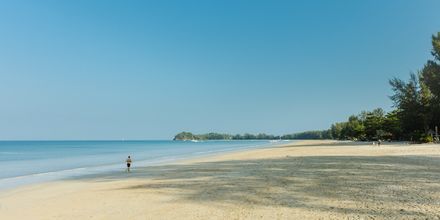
column 25, row 162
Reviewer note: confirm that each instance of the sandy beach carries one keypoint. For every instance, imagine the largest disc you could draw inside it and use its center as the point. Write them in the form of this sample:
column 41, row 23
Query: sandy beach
column 308, row 180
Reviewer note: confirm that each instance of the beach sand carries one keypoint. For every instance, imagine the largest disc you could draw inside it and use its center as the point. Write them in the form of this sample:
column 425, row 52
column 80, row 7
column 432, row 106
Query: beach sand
column 304, row 180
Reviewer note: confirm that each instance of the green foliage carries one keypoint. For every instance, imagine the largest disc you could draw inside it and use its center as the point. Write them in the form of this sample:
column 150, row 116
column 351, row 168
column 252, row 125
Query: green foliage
column 417, row 103
column 336, row 130
column 430, row 76
column 218, row 136
column 417, row 113
column 426, row 138
column 374, row 122
column 376, row 125
column 354, row 129
column 185, row 136
column 392, row 125
column 214, row 136
column 308, row 135
column 260, row 136
column 436, row 46
column 413, row 99
column 405, row 99
column 367, row 125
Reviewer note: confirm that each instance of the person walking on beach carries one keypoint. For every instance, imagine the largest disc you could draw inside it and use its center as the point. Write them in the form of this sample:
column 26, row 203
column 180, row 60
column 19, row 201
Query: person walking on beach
column 128, row 163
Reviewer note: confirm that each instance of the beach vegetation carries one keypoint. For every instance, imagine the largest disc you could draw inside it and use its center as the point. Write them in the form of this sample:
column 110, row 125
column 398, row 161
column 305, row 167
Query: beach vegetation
column 416, row 116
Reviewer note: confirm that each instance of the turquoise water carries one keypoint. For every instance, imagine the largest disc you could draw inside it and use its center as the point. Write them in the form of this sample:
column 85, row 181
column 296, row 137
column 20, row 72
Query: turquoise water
column 24, row 162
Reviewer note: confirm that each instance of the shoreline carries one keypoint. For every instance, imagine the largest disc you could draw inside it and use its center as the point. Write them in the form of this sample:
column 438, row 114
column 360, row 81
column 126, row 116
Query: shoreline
column 310, row 179
column 9, row 183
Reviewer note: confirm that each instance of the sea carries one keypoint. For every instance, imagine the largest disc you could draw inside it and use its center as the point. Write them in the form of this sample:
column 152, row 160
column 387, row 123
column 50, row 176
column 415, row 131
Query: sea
column 29, row 162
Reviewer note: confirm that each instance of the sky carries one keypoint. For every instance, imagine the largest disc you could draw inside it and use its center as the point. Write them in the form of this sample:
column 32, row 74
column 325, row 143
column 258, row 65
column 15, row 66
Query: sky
column 94, row 70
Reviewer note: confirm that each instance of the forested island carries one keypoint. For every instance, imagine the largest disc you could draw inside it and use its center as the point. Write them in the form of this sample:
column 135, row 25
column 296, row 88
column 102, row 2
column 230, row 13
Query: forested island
column 416, row 116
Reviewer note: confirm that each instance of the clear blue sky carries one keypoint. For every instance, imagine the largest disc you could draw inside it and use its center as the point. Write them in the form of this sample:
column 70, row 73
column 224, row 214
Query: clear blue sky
column 149, row 69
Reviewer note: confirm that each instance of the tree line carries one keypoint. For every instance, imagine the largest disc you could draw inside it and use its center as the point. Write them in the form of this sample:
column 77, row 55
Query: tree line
column 261, row 136
column 219, row 136
column 415, row 117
